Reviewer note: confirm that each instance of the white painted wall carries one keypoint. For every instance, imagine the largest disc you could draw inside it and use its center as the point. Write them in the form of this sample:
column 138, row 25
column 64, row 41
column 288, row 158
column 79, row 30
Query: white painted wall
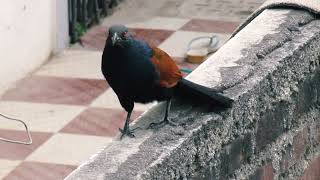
column 28, row 35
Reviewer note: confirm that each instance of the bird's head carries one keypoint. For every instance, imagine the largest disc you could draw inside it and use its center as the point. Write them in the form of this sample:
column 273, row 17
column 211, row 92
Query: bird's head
column 118, row 35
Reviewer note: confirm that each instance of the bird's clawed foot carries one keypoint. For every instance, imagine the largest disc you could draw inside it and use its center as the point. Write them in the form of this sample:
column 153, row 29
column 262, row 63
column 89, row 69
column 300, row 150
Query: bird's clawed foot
column 161, row 124
column 126, row 131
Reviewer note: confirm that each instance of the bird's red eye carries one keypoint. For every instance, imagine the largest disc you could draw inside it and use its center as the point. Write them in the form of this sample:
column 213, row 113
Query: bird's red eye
column 124, row 34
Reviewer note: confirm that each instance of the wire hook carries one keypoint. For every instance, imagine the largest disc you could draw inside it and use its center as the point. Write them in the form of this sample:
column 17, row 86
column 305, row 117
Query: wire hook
column 16, row 141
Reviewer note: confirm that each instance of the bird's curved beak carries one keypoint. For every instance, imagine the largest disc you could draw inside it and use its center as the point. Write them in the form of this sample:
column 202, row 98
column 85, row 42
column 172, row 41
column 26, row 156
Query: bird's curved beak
column 115, row 38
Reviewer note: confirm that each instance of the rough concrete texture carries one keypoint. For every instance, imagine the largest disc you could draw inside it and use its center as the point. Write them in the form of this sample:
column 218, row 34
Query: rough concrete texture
column 271, row 70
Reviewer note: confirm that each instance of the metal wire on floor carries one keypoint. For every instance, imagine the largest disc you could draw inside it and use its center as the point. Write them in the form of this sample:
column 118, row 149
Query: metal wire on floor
column 17, row 141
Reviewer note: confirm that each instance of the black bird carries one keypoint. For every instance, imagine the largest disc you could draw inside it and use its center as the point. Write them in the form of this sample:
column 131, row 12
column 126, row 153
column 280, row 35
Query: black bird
column 140, row 73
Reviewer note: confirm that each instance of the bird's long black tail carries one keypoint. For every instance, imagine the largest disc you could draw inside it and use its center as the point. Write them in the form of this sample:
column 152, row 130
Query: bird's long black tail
column 202, row 93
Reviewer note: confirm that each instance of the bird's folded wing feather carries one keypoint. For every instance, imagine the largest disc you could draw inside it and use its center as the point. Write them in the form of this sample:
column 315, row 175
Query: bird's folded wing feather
column 166, row 67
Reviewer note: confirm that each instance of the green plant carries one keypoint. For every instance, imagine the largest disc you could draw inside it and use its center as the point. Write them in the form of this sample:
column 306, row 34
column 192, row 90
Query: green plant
column 80, row 29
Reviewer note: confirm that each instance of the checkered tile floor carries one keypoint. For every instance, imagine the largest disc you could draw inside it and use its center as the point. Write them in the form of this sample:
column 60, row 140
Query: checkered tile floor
column 70, row 109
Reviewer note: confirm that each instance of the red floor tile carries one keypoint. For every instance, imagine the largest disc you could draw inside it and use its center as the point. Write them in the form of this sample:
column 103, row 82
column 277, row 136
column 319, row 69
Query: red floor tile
column 210, row 26
column 56, row 90
column 96, row 37
column 99, row 122
column 39, row 171
column 12, row 151
column 152, row 36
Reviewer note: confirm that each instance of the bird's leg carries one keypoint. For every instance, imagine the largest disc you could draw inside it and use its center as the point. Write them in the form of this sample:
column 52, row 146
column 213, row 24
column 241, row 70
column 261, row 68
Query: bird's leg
column 126, row 129
column 166, row 119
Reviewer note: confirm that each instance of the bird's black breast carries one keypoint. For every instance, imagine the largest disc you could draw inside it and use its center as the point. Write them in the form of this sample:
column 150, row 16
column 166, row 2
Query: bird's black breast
column 130, row 72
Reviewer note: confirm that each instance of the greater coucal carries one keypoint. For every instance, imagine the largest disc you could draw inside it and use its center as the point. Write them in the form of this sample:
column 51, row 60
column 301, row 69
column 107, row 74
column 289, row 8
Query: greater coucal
column 138, row 72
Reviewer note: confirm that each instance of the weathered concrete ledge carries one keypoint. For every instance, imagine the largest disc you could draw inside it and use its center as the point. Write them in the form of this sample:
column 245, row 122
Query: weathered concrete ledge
column 271, row 70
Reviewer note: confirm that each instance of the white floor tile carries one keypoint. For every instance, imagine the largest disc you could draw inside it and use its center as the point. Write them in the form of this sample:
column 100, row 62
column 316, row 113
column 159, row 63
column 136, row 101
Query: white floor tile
column 165, row 23
column 176, row 45
column 75, row 64
column 70, row 149
column 38, row 116
column 6, row 166
column 110, row 100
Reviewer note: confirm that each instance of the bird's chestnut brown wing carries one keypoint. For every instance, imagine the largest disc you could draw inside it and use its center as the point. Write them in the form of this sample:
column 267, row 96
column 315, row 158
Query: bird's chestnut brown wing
column 166, row 67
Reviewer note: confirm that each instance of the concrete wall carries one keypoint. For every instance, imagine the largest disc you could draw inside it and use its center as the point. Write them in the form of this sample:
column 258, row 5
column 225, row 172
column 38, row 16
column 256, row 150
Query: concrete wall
column 271, row 68
column 28, row 34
